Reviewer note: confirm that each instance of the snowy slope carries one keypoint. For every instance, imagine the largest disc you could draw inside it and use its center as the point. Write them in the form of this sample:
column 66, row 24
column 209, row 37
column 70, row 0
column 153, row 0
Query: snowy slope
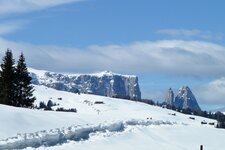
column 117, row 123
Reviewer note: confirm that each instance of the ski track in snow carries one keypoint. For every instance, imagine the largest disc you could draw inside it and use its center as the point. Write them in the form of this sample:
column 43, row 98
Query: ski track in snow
column 73, row 133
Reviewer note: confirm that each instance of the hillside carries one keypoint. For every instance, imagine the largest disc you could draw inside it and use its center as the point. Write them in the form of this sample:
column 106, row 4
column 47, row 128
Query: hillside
column 115, row 124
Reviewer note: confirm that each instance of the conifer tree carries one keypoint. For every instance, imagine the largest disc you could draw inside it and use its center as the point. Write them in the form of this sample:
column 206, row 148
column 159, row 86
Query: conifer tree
column 24, row 92
column 7, row 80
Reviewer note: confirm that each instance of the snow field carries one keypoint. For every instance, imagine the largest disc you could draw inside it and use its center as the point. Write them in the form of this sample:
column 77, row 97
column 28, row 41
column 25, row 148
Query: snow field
column 114, row 124
column 72, row 133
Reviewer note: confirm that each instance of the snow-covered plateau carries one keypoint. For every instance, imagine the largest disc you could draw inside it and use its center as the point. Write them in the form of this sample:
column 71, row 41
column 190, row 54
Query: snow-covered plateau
column 103, row 123
column 104, row 83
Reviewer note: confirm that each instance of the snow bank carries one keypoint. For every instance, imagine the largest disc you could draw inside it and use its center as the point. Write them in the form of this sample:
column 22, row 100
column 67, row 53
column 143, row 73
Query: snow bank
column 72, row 133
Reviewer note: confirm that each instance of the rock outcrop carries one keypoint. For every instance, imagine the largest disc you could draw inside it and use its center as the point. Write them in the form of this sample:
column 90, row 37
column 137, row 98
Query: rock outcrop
column 104, row 83
column 169, row 99
column 185, row 99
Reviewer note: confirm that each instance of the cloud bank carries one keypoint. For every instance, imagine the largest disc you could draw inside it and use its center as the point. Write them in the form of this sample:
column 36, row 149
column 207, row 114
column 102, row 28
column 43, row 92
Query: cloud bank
column 213, row 92
column 196, row 58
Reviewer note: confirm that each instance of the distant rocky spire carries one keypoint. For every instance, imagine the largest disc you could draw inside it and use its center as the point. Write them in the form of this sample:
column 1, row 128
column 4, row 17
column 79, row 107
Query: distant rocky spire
column 169, row 99
column 186, row 99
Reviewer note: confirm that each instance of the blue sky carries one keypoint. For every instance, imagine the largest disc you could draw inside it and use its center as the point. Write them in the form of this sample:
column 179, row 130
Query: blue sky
column 116, row 21
column 166, row 43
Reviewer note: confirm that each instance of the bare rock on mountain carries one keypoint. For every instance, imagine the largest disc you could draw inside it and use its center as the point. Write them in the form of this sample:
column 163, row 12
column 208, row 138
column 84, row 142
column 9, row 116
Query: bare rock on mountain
column 169, row 99
column 185, row 99
column 104, row 83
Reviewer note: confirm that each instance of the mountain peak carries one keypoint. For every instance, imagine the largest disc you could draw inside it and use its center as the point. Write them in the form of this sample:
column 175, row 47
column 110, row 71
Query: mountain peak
column 169, row 99
column 184, row 87
column 108, row 71
column 103, row 73
column 186, row 99
column 184, row 90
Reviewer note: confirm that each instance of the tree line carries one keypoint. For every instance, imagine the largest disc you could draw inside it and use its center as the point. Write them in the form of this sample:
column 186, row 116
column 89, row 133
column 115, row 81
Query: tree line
column 15, row 82
column 220, row 117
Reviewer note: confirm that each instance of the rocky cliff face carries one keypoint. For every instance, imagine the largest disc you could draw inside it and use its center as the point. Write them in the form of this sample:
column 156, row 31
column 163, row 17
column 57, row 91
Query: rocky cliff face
column 186, row 99
column 105, row 83
column 169, row 99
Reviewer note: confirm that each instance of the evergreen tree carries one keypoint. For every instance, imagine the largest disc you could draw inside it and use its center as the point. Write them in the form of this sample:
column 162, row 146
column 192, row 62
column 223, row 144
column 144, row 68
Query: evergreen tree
column 7, row 80
column 24, row 92
column 49, row 105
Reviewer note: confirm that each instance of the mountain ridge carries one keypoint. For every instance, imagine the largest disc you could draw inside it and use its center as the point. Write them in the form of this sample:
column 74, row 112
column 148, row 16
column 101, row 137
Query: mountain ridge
column 104, row 83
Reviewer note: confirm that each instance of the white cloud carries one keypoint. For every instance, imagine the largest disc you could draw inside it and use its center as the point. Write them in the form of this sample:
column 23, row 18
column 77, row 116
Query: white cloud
column 192, row 33
column 171, row 56
column 8, row 7
column 213, row 92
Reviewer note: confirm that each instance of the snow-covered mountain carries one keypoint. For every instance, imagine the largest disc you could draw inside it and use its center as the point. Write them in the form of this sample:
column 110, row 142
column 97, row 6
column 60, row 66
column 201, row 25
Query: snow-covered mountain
column 104, row 83
column 186, row 99
column 112, row 124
